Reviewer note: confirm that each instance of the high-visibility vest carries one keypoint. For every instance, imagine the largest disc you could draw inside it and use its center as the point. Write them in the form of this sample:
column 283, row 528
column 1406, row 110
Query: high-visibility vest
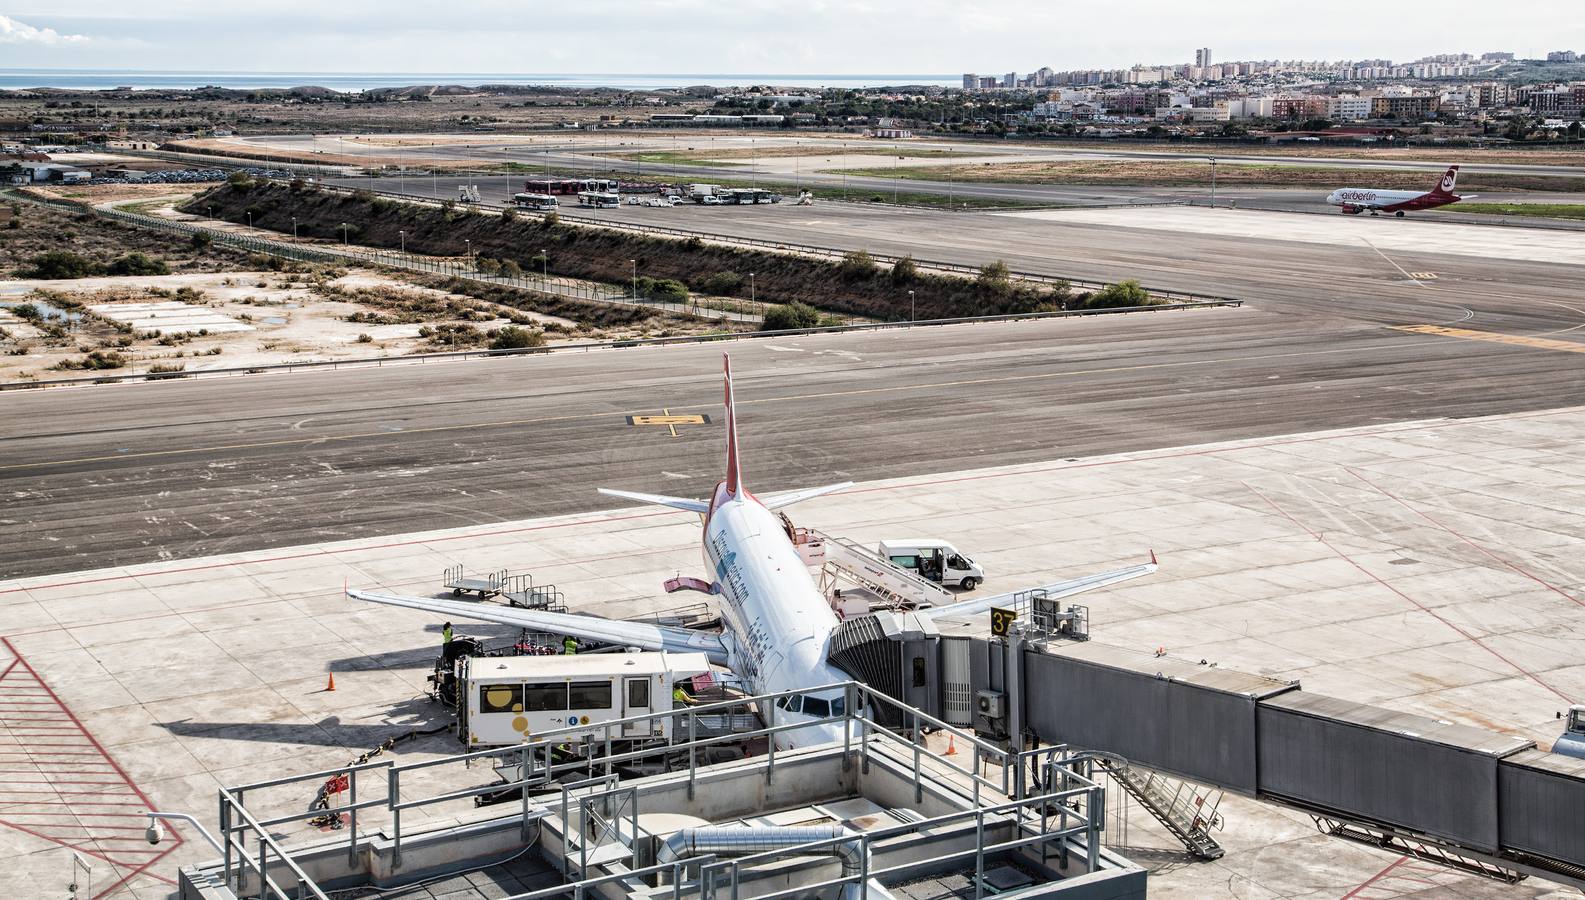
column 445, row 636
column 570, row 645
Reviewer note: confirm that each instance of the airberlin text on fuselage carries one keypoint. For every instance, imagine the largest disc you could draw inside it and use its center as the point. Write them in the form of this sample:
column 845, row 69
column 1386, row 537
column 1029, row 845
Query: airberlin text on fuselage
column 1356, row 195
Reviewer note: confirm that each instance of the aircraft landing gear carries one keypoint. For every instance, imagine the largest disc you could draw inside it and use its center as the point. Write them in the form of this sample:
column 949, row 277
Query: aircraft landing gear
column 1399, row 213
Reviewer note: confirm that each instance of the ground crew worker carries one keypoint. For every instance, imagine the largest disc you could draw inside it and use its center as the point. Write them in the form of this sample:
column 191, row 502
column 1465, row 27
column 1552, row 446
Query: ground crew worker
column 445, row 634
column 679, row 697
column 569, row 645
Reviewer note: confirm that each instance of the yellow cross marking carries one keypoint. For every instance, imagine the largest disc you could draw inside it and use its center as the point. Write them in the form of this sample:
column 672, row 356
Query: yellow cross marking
column 1536, row 343
column 670, row 421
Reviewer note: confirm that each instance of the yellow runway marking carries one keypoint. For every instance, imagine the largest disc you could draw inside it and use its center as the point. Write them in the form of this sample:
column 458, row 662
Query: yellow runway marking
column 1536, row 343
column 670, row 421
column 754, row 401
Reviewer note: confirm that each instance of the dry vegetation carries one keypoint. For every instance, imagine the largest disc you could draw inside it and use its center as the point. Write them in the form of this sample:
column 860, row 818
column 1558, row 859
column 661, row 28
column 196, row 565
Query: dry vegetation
column 595, row 254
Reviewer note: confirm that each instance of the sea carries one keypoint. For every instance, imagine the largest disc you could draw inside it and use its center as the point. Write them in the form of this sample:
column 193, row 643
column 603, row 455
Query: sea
column 106, row 79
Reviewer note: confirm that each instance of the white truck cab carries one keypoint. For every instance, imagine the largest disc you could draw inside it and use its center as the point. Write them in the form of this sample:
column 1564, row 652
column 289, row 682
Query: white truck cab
column 936, row 561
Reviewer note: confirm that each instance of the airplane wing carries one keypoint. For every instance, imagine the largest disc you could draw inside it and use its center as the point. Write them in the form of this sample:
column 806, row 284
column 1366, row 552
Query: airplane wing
column 788, row 498
column 607, row 631
column 1055, row 591
column 682, row 503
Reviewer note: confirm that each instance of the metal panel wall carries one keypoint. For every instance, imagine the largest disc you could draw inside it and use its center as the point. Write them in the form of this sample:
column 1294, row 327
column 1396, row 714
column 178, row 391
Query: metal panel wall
column 1542, row 805
column 1392, row 777
column 1202, row 734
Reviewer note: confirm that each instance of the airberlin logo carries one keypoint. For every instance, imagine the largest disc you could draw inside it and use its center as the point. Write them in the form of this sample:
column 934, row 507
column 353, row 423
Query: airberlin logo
column 1356, row 195
column 1447, row 182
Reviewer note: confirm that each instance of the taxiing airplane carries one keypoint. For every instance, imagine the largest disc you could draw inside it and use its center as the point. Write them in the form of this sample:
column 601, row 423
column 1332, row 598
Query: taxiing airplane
column 776, row 625
column 1354, row 201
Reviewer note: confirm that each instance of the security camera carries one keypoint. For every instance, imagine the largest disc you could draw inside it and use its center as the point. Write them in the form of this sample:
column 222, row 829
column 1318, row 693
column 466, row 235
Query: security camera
column 155, row 832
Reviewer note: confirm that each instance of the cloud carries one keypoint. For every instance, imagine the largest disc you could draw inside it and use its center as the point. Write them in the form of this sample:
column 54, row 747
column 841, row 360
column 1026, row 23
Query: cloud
column 14, row 32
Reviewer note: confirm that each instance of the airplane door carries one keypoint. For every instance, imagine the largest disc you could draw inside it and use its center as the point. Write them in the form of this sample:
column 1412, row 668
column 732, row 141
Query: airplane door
column 635, row 702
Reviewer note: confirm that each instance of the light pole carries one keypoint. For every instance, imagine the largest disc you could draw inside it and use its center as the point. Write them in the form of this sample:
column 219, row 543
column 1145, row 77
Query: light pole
column 895, row 175
column 343, row 234
column 250, row 219
column 634, row 264
column 469, row 245
column 544, row 261
column 751, row 301
column 404, row 242
column 294, row 228
column 1213, row 182
column 911, row 318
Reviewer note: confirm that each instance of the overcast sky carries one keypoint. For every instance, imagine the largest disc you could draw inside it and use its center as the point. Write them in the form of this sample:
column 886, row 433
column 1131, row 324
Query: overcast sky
column 752, row 36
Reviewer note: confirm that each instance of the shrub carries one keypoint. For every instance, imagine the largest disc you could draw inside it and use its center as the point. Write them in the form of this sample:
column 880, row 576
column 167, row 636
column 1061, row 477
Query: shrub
column 508, row 214
column 363, row 195
column 789, row 316
column 511, row 269
column 995, row 278
column 514, row 338
column 138, row 263
column 857, row 266
column 365, row 339
column 241, row 182
column 61, row 264
column 721, row 283
column 200, row 240
column 27, row 312
column 1123, row 293
column 904, row 271
column 668, row 290
column 166, row 370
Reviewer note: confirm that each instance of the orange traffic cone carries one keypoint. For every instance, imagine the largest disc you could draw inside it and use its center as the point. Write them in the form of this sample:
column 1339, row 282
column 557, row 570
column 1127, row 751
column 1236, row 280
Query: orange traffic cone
column 952, row 745
column 332, row 684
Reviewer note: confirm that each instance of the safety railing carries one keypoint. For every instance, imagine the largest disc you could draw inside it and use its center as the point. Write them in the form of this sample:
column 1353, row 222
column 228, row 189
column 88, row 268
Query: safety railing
column 591, row 748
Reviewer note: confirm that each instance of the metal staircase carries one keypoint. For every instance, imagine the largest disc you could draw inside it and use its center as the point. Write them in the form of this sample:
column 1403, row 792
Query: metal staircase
column 1178, row 805
column 898, row 588
column 1415, row 847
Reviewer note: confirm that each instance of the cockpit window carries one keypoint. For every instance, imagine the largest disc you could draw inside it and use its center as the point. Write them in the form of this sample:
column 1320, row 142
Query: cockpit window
column 839, row 707
column 817, row 707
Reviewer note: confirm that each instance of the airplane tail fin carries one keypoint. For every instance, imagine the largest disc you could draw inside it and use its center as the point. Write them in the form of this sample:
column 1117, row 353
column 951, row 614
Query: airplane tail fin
column 1448, row 182
column 734, row 468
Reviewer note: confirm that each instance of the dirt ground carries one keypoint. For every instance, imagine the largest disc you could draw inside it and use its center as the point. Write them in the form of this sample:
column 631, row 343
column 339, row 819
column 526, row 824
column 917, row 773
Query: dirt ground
column 293, row 320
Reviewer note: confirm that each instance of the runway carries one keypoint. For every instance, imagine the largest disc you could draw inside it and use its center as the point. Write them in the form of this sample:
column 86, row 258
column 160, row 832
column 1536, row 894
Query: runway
column 171, row 470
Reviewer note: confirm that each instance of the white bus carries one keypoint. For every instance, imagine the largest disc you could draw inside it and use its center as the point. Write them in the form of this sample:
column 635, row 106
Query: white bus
column 508, row 700
column 599, row 198
column 535, row 201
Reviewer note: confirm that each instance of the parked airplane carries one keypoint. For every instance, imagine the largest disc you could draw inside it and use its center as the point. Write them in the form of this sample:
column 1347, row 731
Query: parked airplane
column 1357, row 200
column 776, row 626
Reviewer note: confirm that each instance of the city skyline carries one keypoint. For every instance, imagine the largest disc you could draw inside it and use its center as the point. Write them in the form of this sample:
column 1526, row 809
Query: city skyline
column 772, row 36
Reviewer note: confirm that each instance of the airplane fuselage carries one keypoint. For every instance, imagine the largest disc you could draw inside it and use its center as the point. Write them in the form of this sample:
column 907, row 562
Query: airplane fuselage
column 1353, row 201
column 775, row 622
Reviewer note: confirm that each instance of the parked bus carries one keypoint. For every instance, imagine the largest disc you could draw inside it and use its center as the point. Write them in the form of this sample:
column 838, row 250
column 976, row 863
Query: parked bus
column 601, row 199
column 535, row 201
column 568, row 186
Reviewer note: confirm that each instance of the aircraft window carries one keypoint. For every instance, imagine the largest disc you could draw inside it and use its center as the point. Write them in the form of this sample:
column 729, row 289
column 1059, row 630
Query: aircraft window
column 590, row 695
column 839, row 707
column 542, row 697
column 817, row 707
column 792, row 704
column 495, row 698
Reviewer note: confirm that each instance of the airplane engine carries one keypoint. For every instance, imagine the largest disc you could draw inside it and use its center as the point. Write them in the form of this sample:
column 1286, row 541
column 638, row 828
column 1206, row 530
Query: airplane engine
column 1350, row 210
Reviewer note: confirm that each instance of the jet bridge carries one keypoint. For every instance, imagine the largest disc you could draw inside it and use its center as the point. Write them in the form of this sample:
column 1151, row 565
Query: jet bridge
column 1486, row 803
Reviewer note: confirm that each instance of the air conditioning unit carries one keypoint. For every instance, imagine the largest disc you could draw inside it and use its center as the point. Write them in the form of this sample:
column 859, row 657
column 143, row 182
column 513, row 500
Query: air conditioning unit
column 990, row 704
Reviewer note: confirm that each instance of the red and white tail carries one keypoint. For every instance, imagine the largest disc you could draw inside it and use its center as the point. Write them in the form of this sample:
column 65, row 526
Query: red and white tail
column 734, row 468
column 1449, row 181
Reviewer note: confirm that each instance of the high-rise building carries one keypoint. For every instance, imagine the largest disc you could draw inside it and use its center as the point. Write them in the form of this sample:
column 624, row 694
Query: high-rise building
column 1202, row 57
column 971, row 81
